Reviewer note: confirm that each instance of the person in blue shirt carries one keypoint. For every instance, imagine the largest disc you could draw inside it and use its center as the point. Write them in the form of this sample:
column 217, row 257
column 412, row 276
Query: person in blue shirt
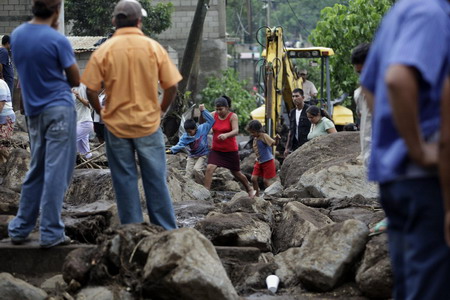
column 196, row 139
column 6, row 66
column 47, row 69
column 403, row 78
column 265, row 163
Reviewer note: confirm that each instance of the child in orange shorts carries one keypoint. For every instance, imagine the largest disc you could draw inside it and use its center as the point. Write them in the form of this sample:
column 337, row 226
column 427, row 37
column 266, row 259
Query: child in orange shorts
column 265, row 163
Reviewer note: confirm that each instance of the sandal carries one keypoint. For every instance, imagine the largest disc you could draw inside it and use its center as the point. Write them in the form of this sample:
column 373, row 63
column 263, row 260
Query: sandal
column 379, row 228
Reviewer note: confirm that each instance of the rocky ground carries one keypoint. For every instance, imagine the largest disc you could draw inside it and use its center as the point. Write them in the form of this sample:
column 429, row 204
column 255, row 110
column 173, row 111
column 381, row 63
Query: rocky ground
column 310, row 229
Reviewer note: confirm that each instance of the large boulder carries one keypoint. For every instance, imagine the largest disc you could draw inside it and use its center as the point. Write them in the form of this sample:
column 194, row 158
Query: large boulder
column 338, row 180
column 188, row 213
column 287, row 267
column 329, row 252
column 16, row 169
column 90, row 185
column 9, row 201
column 12, row 288
column 185, row 189
column 374, row 276
column 183, row 264
column 297, row 222
column 241, row 202
column 327, row 150
column 236, row 229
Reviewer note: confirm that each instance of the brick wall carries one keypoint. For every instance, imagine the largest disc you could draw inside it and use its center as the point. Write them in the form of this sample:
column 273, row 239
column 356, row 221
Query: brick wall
column 13, row 13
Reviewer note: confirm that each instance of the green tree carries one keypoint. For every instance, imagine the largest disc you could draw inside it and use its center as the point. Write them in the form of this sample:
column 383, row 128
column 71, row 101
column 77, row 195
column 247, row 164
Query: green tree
column 229, row 84
column 343, row 28
column 93, row 17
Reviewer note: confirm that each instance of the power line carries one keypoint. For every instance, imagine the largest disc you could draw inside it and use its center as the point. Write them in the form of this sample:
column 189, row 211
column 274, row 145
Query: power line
column 300, row 22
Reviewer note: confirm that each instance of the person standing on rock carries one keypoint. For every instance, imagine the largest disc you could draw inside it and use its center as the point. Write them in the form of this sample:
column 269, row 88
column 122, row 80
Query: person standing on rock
column 42, row 55
column 299, row 125
column 224, row 152
column 403, row 76
column 131, row 65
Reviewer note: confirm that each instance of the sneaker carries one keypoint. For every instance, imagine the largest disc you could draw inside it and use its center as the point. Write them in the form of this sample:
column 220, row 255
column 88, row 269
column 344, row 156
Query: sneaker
column 65, row 240
column 19, row 240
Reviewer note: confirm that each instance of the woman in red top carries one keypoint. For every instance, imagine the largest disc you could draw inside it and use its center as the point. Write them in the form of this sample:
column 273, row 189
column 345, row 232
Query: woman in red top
column 224, row 152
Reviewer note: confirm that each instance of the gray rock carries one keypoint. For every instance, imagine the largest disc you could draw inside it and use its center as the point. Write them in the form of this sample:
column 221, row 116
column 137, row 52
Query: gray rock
column 236, row 229
column 241, row 202
column 362, row 214
column 274, row 190
column 16, row 169
column 184, row 189
column 297, row 222
column 316, row 202
column 177, row 161
column 20, row 139
column 327, row 150
column 288, row 266
column 343, row 180
column 297, row 191
column 188, row 213
column 9, row 201
column 90, row 185
column 329, row 252
column 247, row 164
column 4, row 220
column 103, row 293
column 183, row 264
column 54, row 284
column 20, row 125
column 232, row 186
column 12, row 288
column 374, row 276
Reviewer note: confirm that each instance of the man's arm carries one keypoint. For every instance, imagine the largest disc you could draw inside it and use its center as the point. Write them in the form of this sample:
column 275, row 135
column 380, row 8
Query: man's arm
column 444, row 155
column 168, row 96
column 73, row 75
column 403, row 90
column 93, row 100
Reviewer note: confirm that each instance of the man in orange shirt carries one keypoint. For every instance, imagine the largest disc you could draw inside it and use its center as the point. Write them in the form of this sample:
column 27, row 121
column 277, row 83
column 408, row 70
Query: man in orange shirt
column 131, row 65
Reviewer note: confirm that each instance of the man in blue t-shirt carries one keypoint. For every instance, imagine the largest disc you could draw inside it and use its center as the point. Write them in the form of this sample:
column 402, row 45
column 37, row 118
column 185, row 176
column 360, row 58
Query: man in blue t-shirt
column 6, row 67
column 51, row 120
column 403, row 77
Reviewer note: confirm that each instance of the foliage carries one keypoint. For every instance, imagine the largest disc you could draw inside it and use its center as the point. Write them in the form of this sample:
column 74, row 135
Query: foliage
column 343, row 28
column 229, row 84
column 296, row 17
column 93, row 17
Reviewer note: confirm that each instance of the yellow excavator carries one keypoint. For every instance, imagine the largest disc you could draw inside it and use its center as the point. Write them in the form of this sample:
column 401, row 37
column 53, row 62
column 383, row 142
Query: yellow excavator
column 281, row 78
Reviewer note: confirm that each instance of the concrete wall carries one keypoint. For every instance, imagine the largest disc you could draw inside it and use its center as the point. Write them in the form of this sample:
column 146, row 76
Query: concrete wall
column 213, row 58
column 13, row 13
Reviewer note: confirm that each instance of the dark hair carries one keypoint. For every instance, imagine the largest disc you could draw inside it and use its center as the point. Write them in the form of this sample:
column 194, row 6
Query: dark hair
column 299, row 91
column 359, row 54
column 123, row 21
column 315, row 111
column 41, row 10
column 350, row 127
column 190, row 124
column 254, row 125
column 223, row 101
column 6, row 40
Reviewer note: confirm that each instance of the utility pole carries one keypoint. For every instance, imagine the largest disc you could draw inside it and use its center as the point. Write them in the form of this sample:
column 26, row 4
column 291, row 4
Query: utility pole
column 171, row 120
column 61, row 28
column 250, row 21
column 269, row 4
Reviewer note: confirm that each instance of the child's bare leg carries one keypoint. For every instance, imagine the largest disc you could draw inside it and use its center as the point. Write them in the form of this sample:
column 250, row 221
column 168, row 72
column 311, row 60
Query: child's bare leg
column 208, row 175
column 255, row 184
column 242, row 179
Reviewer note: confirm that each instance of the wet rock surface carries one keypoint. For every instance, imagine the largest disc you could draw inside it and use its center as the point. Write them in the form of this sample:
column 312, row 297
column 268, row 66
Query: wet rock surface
column 311, row 232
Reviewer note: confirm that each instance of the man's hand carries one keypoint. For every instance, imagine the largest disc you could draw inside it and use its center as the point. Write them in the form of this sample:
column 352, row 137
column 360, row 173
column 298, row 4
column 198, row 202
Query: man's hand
column 425, row 155
column 286, row 153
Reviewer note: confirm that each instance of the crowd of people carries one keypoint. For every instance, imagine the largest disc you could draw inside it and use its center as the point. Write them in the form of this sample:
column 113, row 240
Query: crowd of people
column 403, row 105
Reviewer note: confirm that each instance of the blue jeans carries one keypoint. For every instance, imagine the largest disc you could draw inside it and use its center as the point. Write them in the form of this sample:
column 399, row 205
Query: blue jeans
column 52, row 137
column 420, row 257
column 152, row 162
